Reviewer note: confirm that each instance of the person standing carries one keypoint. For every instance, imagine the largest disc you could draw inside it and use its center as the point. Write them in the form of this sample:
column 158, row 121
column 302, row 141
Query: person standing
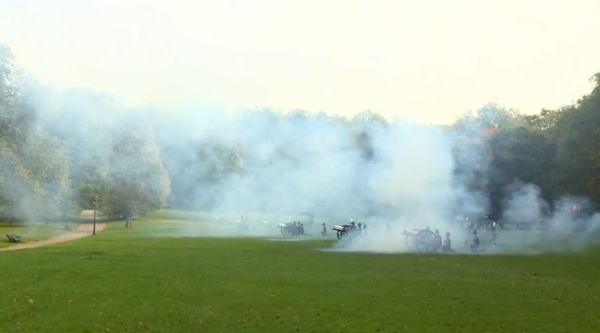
column 447, row 246
column 476, row 243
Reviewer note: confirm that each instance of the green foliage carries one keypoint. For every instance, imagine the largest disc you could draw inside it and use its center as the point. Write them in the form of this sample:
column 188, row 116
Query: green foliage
column 558, row 150
column 519, row 153
column 50, row 156
column 489, row 117
column 91, row 150
column 9, row 77
column 136, row 181
column 577, row 137
column 543, row 122
column 34, row 166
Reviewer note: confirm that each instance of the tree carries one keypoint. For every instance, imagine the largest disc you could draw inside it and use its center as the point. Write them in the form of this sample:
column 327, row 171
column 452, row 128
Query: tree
column 136, row 181
column 489, row 119
column 34, row 165
column 519, row 154
column 577, row 136
column 369, row 117
column 543, row 122
column 10, row 77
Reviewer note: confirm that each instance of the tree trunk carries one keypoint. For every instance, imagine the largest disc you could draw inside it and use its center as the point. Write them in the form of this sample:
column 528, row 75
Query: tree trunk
column 128, row 216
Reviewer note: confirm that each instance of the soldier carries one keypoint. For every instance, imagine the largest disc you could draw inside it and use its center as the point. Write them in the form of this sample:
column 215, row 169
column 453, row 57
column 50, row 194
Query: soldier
column 494, row 239
column 324, row 232
column 438, row 239
column 447, row 247
column 364, row 229
column 475, row 246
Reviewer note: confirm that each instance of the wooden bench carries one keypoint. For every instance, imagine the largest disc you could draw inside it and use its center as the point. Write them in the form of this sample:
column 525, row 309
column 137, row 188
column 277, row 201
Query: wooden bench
column 13, row 238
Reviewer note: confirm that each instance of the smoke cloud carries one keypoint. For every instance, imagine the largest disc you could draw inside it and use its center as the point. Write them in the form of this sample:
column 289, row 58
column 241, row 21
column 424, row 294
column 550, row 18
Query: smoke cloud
column 314, row 168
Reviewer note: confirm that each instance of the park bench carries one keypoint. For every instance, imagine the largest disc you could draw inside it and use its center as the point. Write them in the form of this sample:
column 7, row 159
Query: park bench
column 13, row 238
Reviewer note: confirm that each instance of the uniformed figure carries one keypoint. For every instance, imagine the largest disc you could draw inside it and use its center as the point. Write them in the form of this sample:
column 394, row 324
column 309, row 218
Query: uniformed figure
column 447, row 247
column 324, row 232
column 476, row 243
column 438, row 239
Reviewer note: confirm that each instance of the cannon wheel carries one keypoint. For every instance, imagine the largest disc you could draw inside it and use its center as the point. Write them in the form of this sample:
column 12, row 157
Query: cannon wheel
column 425, row 241
column 411, row 243
column 286, row 231
column 340, row 234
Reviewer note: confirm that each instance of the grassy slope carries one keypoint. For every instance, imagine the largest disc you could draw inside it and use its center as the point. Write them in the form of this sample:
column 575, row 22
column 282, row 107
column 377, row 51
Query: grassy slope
column 122, row 281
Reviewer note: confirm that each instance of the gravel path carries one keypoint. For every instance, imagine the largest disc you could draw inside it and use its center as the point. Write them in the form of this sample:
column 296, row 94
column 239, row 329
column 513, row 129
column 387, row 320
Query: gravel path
column 83, row 230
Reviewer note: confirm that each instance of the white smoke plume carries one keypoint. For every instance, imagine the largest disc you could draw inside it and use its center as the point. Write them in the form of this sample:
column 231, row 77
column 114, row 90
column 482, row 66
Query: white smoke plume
column 314, row 168
column 524, row 203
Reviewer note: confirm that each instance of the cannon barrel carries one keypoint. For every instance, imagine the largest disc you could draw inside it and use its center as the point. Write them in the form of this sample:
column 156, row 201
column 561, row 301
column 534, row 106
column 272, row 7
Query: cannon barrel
column 411, row 233
column 339, row 227
column 281, row 225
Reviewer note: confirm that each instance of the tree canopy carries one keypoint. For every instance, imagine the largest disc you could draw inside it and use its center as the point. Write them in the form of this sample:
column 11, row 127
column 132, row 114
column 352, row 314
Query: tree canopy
column 77, row 148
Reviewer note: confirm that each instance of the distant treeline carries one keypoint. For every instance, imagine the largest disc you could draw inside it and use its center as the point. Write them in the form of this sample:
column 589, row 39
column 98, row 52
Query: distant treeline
column 558, row 150
column 60, row 150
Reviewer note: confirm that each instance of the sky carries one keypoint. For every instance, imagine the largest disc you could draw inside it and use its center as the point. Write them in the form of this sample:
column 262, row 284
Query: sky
column 425, row 61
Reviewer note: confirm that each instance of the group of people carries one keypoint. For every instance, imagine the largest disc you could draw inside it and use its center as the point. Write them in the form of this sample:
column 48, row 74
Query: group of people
column 475, row 246
column 446, row 244
column 443, row 244
column 359, row 228
column 297, row 228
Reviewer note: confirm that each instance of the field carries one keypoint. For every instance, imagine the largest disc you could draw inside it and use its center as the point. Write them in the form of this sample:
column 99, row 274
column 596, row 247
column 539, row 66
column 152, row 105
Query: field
column 135, row 281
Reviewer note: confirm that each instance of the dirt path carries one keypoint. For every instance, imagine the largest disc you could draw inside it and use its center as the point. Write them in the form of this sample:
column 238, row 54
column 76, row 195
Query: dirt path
column 83, row 230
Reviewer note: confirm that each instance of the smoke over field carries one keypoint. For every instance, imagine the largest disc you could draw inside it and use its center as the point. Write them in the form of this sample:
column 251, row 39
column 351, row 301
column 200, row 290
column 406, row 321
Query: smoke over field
column 77, row 148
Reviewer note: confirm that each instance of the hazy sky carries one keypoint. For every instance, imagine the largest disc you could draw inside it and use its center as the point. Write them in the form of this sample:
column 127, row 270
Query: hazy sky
column 420, row 60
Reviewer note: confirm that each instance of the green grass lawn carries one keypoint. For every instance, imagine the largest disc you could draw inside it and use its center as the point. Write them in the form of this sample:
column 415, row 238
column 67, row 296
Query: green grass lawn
column 132, row 281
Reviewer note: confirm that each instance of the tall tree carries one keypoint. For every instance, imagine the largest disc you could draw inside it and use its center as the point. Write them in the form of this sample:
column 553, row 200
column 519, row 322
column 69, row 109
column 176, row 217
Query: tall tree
column 34, row 165
column 577, row 136
column 136, row 181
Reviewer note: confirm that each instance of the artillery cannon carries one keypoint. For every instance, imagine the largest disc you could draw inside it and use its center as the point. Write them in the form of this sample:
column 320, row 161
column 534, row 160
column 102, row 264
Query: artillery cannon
column 341, row 230
column 421, row 240
column 291, row 229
